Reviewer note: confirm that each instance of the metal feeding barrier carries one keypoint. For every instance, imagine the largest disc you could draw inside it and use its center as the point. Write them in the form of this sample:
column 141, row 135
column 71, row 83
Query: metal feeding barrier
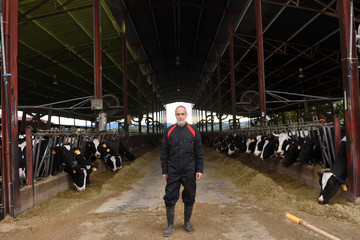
column 323, row 132
column 42, row 141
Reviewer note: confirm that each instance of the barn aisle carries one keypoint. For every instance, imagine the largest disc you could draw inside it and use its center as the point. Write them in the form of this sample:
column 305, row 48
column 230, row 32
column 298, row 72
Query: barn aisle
column 234, row 201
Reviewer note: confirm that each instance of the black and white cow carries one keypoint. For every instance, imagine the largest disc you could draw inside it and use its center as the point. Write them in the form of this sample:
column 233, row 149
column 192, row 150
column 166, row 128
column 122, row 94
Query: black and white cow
column 270, row 147
column 224, row 145
column 22, row 163
column 284, row 139
column 291, row 153
column 260, row 141
column 91, row 150
column 310, row 151
column 242, row 147
column 331, row 181
column 113, row 161
column 250, row 145
column 125, row 152
column 236, row 145
column 40, row 147
column 75, row 165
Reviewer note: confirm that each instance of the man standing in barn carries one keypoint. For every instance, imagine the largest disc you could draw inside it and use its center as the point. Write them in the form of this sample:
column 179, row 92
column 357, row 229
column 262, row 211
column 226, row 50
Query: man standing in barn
column 182, row 162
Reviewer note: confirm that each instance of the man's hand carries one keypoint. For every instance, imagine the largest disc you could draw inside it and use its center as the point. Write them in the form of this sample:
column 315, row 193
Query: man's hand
column 198, row 175
column 165, row 177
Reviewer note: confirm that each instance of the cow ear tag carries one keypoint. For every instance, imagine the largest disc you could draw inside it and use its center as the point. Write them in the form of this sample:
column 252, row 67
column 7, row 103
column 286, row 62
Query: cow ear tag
column 77, row 152
column 108, row 150
column 344, row 187
column 253, row 140
column 299, row 147
column 53, row 152
column 74, row 171
column 314, row 147
column 104, row 145
column 94, row 169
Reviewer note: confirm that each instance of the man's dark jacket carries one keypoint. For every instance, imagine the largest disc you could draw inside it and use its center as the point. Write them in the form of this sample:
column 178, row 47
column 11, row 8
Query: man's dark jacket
column 181, row 150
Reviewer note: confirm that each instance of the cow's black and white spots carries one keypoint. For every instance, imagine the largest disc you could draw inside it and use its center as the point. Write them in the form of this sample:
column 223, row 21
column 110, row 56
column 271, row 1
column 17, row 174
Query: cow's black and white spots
column 331, row 181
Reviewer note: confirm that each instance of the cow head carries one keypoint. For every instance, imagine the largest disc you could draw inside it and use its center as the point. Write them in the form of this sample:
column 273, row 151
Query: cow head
column 250, row 145
column 283, row 141
column 330, row 185
column 260, row 141
column 114, row 162
column 78, row 176
column 96, row 143
column 291, row 153
column 91, row 152
column 231, row 149
column 310, row 151
column 270, row 146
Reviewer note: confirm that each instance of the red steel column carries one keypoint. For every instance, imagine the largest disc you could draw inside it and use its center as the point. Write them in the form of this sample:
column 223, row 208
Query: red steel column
column 337, row 133
column 218, row 86
column 97, row 53
column 260, row 54
column 97, row 50
column 231, row 50
column 351, row 96
column 10, row 166
column 125, row 81
column 29, row 155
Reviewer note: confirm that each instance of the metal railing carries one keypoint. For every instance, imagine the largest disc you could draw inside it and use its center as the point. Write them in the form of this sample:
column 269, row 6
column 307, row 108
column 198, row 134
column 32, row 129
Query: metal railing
column 323, row 131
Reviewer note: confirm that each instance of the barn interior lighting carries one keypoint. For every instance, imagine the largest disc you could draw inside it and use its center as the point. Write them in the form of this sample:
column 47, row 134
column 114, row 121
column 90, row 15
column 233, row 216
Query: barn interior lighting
column 177, row 61
column 54, row 80
column 301, row 74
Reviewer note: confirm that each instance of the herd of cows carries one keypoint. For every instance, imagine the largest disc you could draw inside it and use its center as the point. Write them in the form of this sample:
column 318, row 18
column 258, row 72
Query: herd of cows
column 291, row 148
column 79, row 163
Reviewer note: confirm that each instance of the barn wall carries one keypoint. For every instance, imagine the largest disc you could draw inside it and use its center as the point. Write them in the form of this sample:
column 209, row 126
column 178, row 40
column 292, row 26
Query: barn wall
column 44, row 190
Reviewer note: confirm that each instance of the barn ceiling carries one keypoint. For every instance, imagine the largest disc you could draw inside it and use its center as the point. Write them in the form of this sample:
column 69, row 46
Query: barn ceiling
column 175, row 44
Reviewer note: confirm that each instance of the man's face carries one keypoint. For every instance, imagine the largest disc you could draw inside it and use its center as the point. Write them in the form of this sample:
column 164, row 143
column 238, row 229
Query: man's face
column 180, row 115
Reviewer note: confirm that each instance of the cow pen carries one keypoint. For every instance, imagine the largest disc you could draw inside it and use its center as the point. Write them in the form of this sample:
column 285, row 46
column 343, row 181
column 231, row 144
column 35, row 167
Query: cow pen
column 89, row 87
column 235, row 200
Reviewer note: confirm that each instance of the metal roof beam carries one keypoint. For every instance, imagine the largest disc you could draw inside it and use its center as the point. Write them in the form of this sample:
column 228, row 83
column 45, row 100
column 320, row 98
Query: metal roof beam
column 197, row 35
column 22, row 22
column 163, row 5
column 175, row 36
column 173, row 56
column 279, row 48
column 329, row 11
column 157, row 36
column 137, row 36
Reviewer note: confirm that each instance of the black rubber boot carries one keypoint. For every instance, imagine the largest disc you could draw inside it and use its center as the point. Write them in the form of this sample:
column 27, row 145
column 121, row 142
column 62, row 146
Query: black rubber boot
column 187, row 215
column 170, row 213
